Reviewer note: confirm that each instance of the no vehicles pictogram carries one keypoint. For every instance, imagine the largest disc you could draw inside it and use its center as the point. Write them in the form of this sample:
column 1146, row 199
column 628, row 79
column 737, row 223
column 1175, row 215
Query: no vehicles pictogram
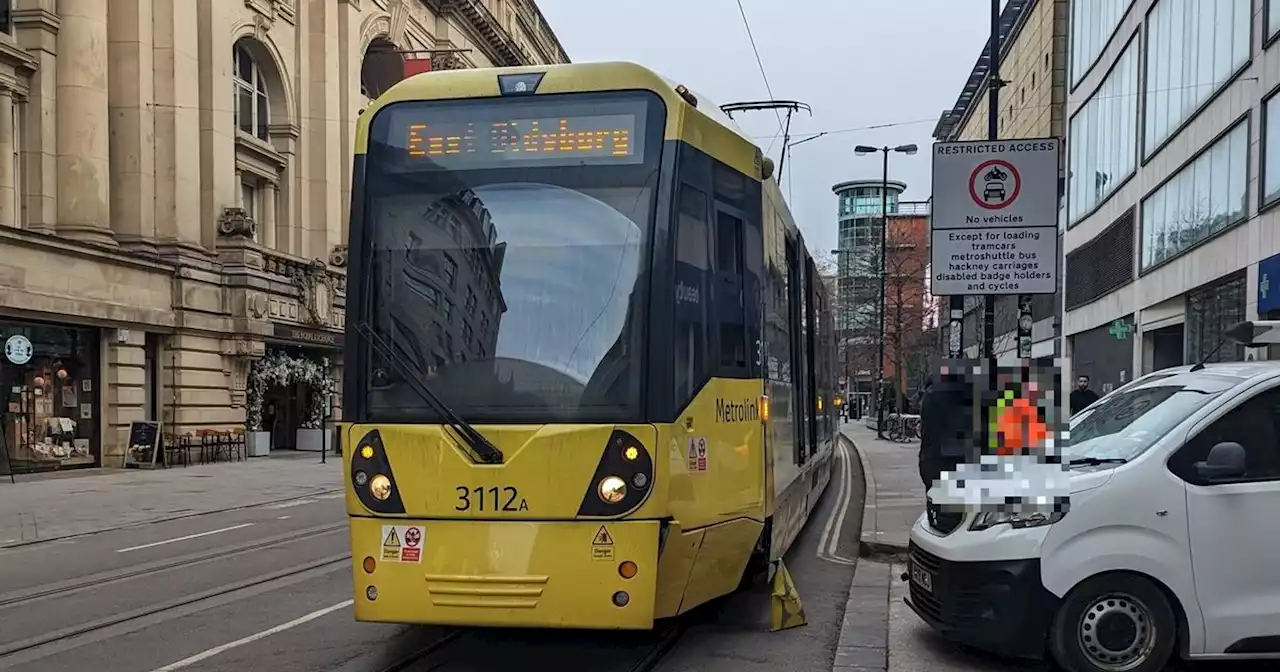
column 995, row 184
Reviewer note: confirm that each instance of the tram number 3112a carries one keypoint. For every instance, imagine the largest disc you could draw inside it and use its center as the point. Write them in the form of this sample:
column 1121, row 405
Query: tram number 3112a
column 492, row 498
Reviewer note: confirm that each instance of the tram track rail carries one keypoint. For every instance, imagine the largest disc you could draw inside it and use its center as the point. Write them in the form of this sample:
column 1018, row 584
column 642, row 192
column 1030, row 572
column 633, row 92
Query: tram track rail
column 25, row 596
column 142, row 616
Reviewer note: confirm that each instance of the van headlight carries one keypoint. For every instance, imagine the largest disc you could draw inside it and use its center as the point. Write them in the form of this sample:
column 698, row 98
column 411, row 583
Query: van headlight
column 1015, row 519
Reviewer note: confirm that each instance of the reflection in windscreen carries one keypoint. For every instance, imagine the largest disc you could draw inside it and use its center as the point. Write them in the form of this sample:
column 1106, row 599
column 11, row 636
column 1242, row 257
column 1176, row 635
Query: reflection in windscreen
column 1126, row 423
column 513, row 298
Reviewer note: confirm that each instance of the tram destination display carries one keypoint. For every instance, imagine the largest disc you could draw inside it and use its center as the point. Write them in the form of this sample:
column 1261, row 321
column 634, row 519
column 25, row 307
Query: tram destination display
column 547, row 137
column 487, row 135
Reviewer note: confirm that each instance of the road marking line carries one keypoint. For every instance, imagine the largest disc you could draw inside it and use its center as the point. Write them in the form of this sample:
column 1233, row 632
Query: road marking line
column 829, row 544
column 189, row 536
column 187, row 662
column 825, row 540
column 847, row 459
column 282, row 518
column 291, row 504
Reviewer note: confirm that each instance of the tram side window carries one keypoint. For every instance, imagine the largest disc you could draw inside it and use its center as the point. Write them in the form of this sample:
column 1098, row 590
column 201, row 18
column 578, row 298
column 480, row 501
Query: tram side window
column 693, row 268
column 752, row 296
column 728, row 298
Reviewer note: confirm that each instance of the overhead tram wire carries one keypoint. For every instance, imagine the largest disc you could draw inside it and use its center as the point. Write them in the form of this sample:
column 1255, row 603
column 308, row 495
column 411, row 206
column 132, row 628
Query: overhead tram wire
column 299, row 116
column 763, row 74
column 1015, row 108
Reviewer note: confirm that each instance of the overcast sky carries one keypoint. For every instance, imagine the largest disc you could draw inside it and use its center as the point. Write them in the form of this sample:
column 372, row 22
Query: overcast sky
column 858, row 63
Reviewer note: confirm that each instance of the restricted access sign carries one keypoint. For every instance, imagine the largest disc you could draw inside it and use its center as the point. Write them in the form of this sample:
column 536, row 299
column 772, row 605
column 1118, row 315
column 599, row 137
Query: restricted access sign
column 995, row 217
column 995, row 183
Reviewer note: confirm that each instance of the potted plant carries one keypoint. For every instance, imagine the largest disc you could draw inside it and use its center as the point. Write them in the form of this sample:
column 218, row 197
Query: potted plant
column 274, row 368
column 312, row 435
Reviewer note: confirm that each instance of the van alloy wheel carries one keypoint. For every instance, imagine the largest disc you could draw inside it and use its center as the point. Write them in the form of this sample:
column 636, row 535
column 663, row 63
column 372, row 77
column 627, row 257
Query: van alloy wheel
column 1117, row 632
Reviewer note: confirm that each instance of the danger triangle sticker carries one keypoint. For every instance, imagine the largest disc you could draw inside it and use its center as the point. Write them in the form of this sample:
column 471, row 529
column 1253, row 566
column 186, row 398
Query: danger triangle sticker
column 392, row 540
column 603, row 538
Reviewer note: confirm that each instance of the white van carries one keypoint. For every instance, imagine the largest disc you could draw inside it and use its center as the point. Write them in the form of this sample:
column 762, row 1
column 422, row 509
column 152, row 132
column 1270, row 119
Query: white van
column 1170, row 545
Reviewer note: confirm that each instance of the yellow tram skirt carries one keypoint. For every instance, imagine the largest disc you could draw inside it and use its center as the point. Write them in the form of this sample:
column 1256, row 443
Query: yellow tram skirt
column 572, row 574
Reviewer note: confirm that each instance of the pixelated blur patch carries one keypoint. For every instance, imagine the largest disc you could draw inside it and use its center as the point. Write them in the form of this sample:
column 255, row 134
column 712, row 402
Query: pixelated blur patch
column 1014, row 467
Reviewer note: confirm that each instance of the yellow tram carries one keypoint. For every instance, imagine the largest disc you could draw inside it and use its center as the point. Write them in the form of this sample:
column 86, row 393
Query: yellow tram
column 589, row 360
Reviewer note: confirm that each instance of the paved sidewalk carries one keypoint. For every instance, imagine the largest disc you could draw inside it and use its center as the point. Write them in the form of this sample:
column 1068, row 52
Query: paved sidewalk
column 46, row 509
column 895, row 495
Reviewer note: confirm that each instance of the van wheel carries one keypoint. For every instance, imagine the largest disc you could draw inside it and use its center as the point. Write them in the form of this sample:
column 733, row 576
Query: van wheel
column 1114, row 623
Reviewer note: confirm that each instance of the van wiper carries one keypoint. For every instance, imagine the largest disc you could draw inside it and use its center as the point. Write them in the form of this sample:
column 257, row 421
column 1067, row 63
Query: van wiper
column 1095, row 461
column 481, row 448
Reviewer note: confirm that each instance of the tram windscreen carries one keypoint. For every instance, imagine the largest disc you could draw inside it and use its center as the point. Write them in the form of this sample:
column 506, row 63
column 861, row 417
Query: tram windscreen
column 510, row 265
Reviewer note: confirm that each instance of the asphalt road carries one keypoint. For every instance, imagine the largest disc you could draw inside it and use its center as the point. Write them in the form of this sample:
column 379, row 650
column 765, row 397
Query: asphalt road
column 269, row 588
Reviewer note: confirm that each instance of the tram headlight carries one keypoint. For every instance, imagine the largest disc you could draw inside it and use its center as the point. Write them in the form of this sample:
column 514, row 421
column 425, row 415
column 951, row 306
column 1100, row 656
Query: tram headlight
column 380, row 487
column 612, row 489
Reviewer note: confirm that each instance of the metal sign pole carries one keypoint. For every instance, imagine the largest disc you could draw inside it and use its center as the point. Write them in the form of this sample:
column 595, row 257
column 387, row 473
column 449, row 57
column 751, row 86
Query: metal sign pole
column 993, row 132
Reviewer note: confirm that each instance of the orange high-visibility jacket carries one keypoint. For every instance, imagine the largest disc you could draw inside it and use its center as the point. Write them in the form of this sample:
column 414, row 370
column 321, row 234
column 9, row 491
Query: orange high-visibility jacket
column 1017, row 426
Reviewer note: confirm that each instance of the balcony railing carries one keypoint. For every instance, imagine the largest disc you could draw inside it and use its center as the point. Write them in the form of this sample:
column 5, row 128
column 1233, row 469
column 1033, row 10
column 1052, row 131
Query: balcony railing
column 912, row 208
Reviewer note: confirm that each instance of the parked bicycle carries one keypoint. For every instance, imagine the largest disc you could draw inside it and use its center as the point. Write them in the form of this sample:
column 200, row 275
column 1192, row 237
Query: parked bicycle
column 903, row 428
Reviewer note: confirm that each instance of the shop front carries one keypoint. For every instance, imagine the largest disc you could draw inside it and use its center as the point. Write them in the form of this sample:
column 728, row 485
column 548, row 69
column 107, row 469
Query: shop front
column 292, row 390
column 1105, row 354
column 50, row 380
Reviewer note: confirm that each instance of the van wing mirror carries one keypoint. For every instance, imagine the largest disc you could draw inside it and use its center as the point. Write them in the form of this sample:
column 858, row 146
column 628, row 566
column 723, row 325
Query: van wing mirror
column 1226, row 460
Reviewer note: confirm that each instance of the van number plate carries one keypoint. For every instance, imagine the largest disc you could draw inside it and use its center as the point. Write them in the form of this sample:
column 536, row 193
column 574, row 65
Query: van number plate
column 921, row 578
column 493, row 498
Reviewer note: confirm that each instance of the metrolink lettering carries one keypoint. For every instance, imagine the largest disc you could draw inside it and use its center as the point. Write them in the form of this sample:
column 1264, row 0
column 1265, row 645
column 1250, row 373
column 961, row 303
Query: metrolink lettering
column 729, row 411
column 686, row 294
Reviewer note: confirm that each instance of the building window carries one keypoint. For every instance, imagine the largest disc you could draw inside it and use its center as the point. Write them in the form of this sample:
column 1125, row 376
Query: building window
column 248, row 199
column 1193, row 48
column 1205, row 197
column 1212, row 310
column 1092, row 24
column 49, row 381
column 1104, row 138
column 1273, row 19
column 1271, row 151
column 1101, row 265
column 251, row 107
column 6, row 16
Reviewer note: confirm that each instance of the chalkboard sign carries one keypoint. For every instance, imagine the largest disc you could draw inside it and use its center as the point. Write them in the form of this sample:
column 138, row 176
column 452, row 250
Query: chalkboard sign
column 143, row 449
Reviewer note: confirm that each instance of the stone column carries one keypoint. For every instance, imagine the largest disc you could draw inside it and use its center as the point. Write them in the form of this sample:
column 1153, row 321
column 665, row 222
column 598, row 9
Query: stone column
column 267, row 225
column 84, row 204
column 132, row 124
column 8, row 211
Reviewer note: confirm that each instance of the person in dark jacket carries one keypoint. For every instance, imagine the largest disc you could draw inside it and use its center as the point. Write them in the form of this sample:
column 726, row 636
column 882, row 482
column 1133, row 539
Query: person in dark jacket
column 1082, row 396
column 946, row 411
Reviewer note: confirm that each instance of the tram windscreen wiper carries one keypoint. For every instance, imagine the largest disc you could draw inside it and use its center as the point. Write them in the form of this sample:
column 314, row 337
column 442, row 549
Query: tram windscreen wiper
column 483, row 449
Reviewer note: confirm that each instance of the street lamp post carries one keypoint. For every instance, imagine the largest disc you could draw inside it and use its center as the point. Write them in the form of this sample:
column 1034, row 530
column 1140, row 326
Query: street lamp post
column 863, row 150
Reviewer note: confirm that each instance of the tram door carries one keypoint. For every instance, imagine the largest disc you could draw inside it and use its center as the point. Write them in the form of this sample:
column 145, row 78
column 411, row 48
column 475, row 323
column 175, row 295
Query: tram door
column 796, row 308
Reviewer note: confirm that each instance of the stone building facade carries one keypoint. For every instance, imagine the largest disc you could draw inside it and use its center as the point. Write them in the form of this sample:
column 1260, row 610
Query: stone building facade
column 174, row 186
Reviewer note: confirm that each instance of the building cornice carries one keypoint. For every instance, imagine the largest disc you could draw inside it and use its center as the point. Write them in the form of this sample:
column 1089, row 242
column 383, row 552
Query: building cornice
column 1012, row 19
column 36, row 18
column 30, row 239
